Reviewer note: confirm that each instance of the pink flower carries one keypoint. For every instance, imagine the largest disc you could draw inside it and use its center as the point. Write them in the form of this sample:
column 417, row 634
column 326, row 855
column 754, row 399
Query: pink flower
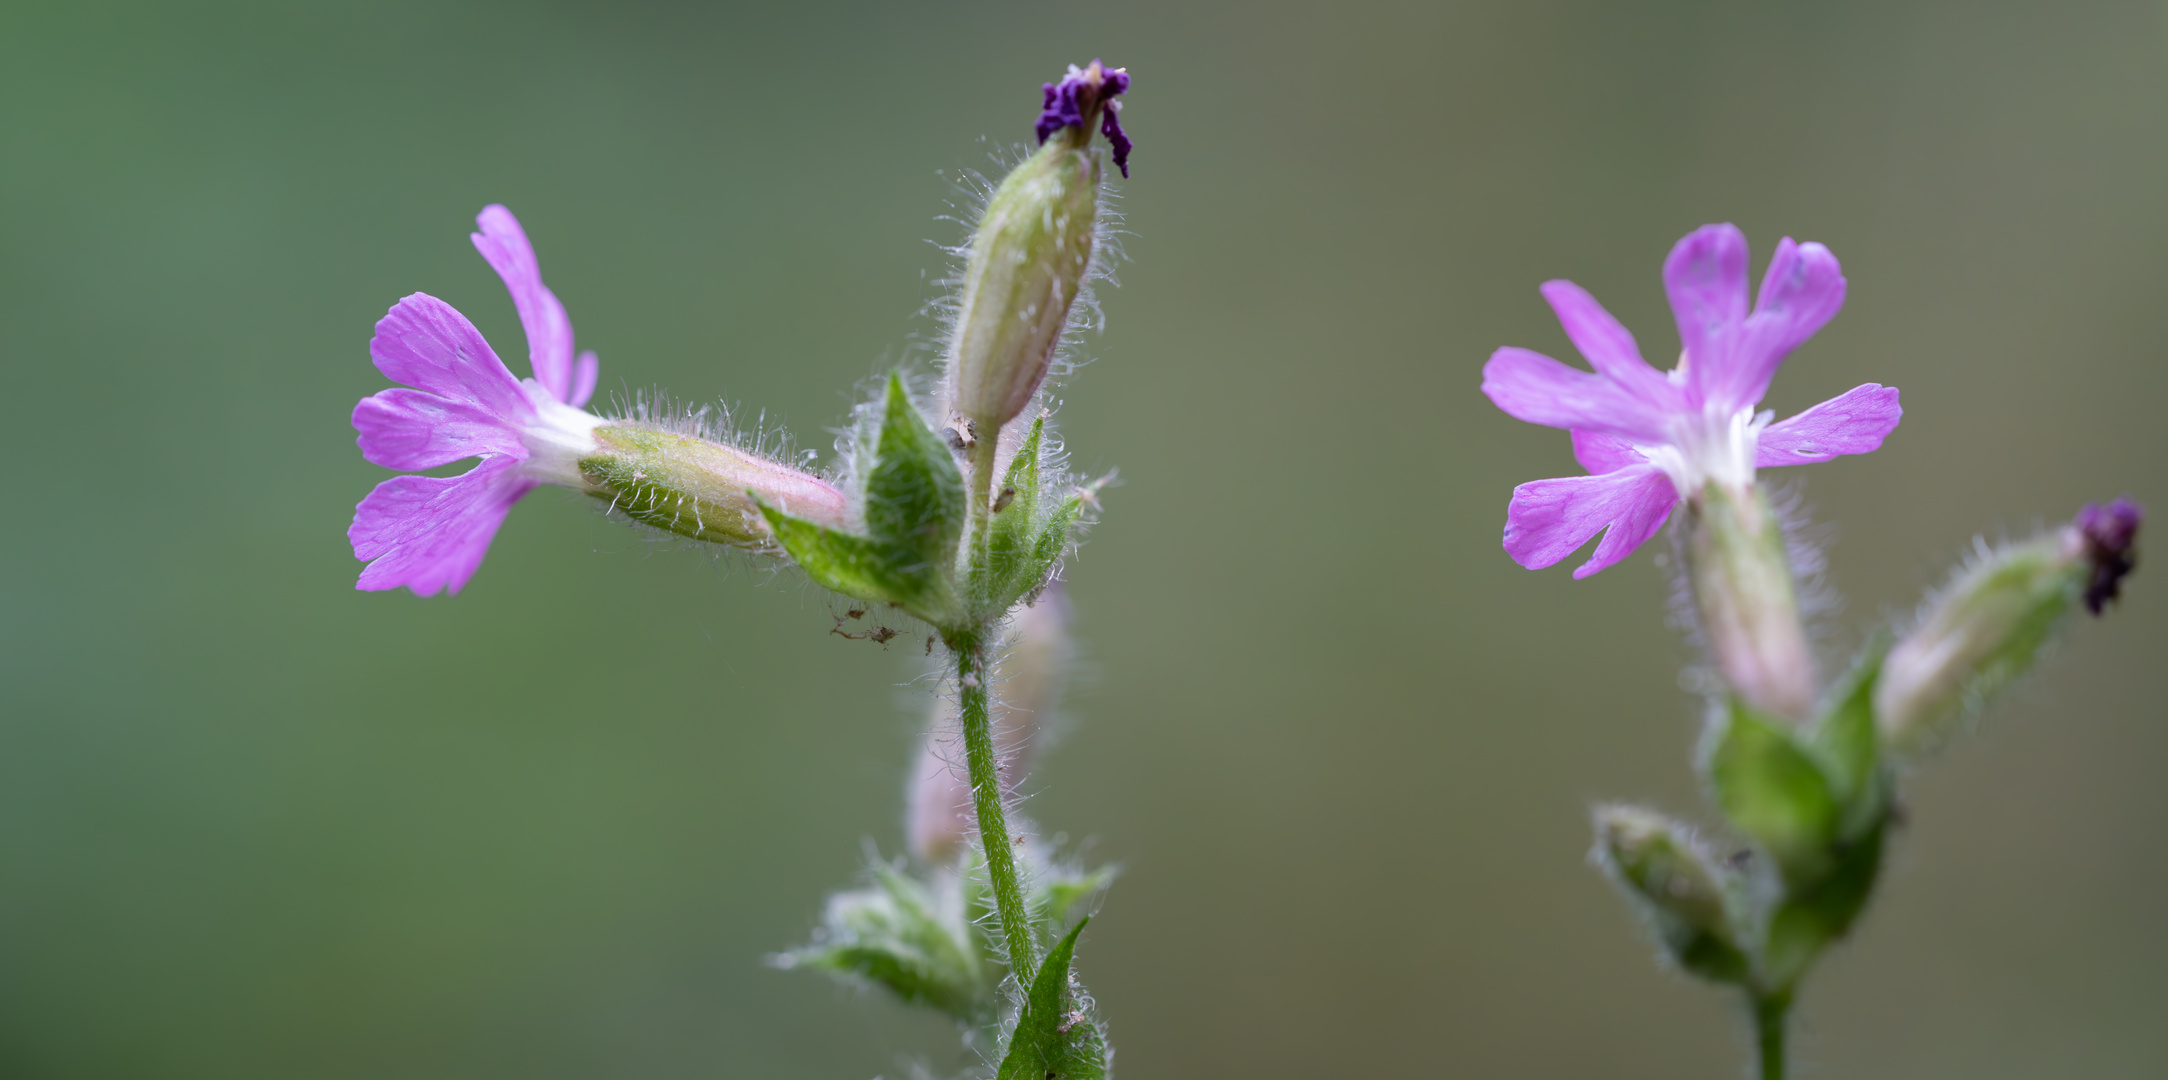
column 430, row 533
column 1651, row 438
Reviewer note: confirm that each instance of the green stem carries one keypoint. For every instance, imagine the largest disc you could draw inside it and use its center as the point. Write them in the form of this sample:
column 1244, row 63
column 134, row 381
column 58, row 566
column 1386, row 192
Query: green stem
column 972, row 678
column 1771, row 1013
column 979, row 516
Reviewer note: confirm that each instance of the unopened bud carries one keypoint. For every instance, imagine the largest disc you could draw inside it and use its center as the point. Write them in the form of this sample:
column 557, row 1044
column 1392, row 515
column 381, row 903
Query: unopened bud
column 1987, row 625
column 1029, row 678
column 1660, row 861
column 698, row 488
column 1031, row 255
column 1743, row 590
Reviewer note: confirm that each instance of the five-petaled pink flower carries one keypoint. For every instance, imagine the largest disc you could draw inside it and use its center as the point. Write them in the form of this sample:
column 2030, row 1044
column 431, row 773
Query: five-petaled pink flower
column 1650, row 438
column 430, row 533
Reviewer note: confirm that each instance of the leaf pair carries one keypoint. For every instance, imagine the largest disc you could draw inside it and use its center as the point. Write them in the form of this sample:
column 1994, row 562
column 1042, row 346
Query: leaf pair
column 914, row 517
column 1818, row 802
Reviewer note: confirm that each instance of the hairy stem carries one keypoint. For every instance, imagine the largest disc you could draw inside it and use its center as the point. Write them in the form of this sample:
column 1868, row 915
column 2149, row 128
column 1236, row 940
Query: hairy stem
column 1771, row 1015
column 972, row 678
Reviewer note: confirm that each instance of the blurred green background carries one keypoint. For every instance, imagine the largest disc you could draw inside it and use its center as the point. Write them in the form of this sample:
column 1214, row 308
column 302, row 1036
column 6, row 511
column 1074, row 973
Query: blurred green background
column 256, row 824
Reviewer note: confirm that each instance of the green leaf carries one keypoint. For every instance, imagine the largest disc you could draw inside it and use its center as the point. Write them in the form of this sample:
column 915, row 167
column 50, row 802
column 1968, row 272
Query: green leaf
column 1808, row 920
column 914, row 494
column 855, row 565
column 1773, row 789
column 1062, row 890
column 1052, row 1041
column 1850, row 745
column 1010, row 536
column 896, row 936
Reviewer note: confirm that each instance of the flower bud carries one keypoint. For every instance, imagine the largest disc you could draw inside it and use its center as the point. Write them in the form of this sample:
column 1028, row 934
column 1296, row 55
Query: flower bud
column 1986, row 627
column 701, row 489
column 1743, row 590
column 1661, row 862
column 1031, row 255
column 1029, row 677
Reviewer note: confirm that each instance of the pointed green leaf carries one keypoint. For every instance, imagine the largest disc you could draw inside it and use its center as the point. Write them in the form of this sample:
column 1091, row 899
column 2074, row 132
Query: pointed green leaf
column 896, row 936
column 1062, row 890
column 1850, row 745
column 1807, row 921
column 854, row 565
column 1774, row 790
column 1011, row 534
column 1052, row 1041
column 914, row 494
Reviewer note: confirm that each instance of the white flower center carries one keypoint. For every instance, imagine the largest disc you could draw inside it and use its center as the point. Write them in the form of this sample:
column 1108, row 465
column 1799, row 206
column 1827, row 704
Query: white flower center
column 557, row 439
column 1714, row 447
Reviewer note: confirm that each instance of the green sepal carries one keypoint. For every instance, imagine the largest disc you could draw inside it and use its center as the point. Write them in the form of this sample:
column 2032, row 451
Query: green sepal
column 897, row 936
column 1053, row 1041
column 914, row 499
column 1773, row 789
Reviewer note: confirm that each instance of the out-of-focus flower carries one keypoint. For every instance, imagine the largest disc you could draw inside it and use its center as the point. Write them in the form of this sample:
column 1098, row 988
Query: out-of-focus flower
column 1651, row 438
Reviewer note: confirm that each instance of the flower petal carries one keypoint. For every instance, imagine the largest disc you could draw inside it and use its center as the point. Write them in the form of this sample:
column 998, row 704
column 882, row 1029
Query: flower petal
column 426, row 343
column 1550, row 519
column 1604, row 453
column 1705, row 277
column 549, row 330
column 583, row 379
column 1607, row 344
column 1854, row 422
column 411, row 429
column 1533, row 387
column 1800, row 293
column 429, row 533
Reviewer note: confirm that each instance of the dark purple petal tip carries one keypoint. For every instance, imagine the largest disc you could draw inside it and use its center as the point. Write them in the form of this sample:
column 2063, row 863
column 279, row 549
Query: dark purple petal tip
column 2110, row 533
column 1078, row 97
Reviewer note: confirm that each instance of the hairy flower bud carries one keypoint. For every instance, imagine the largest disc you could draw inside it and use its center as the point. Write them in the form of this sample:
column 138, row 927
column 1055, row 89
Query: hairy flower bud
column 938, row 815
column 1743, row 590
column 1030, row 257
column 1986, row 627
column 1659, row 861
column 701, row 489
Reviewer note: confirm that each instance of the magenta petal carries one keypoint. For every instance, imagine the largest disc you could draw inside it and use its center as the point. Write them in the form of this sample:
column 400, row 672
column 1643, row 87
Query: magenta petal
column 1550, row 519
column 583, row 379
column 549, row 330
column 1705, row 277
column 430, row 533
column 1800, row 293
column 426, row 343
column 410, row 429
column 1533, row 387
column 1600, row 453
column 1854, row 422
column 1606, row 342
